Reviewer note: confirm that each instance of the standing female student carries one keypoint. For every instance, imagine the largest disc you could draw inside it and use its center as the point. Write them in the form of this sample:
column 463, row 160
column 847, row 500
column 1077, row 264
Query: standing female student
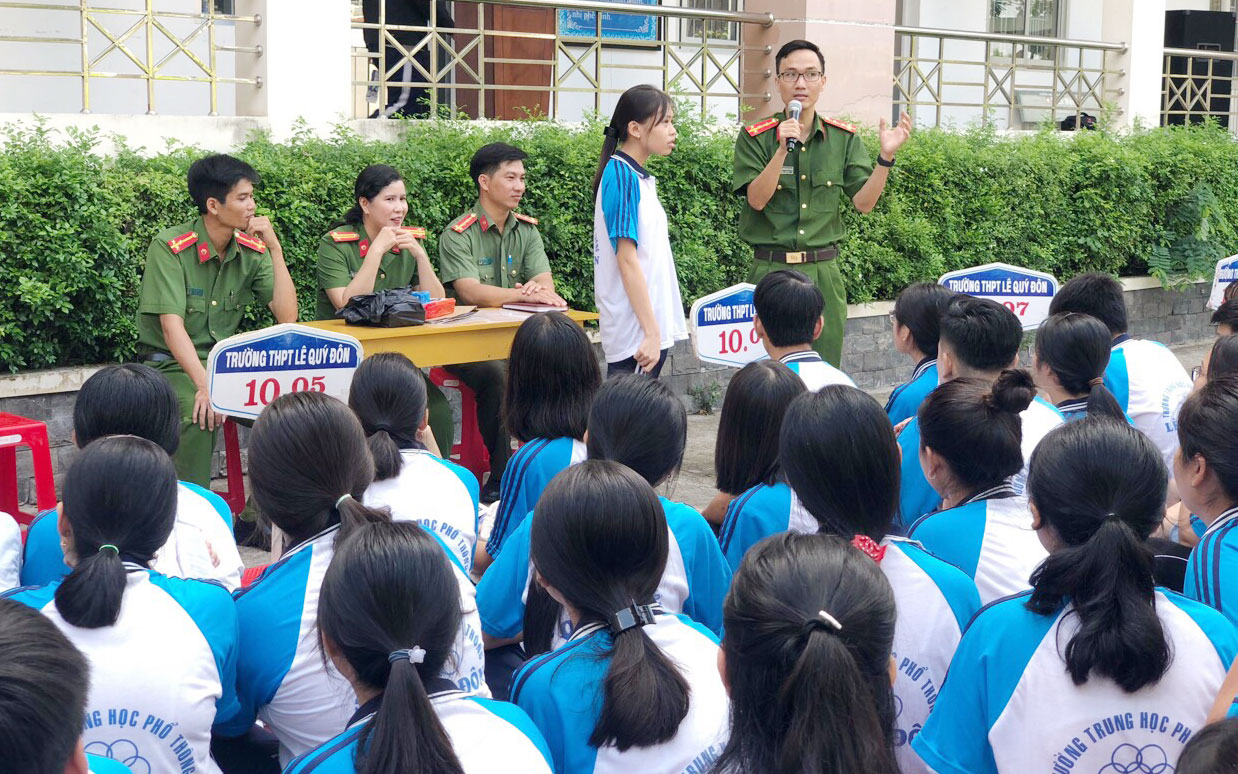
column 1072, row 673
column 807, row 660
column 635, row 688
column 746, row 469
column 162, row 650
column 388, row 395
column 309, row 467
column 640, row 423
column 552, row 375
column 371, row 250
column 387, row 618
column 970, row 446
column 845, row 433
column 634, row 281
column 1072, row 351
column 915, row 325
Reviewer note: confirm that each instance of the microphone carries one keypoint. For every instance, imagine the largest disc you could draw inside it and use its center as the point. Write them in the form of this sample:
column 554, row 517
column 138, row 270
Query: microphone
column 793, row 111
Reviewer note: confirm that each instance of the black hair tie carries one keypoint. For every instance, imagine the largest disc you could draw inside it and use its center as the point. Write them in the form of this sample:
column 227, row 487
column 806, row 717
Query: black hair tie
column 611, row 132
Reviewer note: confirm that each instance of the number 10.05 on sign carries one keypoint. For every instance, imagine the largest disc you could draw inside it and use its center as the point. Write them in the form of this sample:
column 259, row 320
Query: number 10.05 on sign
column 723, row 330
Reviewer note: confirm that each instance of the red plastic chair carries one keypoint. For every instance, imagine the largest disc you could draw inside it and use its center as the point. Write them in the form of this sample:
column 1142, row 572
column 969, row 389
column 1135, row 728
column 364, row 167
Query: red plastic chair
column 18, row 431
column 234, row 495
column 471, row 452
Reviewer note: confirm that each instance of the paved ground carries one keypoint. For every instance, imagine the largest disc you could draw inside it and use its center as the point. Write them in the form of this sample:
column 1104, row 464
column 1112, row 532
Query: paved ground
column 695, row 483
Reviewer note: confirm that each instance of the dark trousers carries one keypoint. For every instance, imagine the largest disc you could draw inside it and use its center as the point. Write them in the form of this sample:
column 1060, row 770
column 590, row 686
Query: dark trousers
column 488, row 380
column 629, row 366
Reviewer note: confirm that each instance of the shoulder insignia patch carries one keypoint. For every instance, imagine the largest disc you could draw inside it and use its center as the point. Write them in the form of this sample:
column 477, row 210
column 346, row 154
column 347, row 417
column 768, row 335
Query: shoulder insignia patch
column 344, row 236
column 177, row 244
column 253, row 243
column 463, row 224
column 525, row 218
column 840, row 124
column 762, row 126
column 417, row 231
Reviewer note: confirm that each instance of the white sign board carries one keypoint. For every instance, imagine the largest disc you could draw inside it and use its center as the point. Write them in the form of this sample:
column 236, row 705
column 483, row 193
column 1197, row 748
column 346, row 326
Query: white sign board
column 247, row 371
column 1025, row 292
column 722, row 329
column 1226, row 272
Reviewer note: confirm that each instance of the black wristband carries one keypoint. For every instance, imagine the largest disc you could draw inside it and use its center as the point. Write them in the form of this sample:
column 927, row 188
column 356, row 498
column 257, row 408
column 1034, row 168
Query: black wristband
column 882, row 162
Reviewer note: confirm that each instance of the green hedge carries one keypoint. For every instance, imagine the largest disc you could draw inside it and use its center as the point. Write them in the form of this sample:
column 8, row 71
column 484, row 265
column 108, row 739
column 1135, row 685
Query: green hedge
column 74, row 226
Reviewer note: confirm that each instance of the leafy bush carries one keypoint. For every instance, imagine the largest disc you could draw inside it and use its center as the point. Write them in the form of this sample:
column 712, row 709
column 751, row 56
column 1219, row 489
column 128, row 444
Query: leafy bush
column 74, row 226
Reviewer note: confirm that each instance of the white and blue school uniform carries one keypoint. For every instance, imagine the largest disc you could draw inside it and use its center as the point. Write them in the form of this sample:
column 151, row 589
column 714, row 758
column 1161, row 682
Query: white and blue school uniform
column 282, row 677
column 694, row 583
column 98, row 765
column 627, row 207
column 430, row 491
column 1010, row 704
column 905, row 401
column 1076, row 409
column 562, row 692
column 161, row 675
column 989, row 536
column 486, row 735
column 1150, row 385
column 201, row 544
column 815, row 372
column 1212, row 569
column 916, row 497
column 528, row 472
column 763, row 510
column 10, row 552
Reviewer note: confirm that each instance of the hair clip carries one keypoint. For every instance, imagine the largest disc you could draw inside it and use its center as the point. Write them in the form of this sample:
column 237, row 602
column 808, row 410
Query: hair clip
column 631, row 617
column 869, row 547
column 343, row 497
column 829, row 619
column 413, row 655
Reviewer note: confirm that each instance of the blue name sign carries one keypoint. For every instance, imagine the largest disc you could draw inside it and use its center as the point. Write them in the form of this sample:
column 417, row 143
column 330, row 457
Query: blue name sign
column 722, row 327
column 247, row 371
column 1025, row 292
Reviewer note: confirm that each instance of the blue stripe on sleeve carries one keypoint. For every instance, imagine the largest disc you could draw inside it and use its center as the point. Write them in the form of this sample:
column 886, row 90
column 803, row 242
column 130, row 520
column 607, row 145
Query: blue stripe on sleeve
column 620, row 192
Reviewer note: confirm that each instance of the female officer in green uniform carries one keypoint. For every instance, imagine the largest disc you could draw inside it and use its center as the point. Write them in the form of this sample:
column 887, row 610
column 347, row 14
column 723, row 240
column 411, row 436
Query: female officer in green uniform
column 794, row 198
column 372, row 250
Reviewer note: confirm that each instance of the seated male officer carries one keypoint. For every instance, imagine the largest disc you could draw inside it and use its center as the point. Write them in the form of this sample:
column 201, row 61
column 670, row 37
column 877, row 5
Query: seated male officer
column 490, row 256
column 200, row 278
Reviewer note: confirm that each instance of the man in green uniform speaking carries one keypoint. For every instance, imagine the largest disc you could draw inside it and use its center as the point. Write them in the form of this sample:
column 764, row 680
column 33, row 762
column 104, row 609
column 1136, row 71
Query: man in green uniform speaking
column 490, row 256
column 794, row 195
column 199, row 279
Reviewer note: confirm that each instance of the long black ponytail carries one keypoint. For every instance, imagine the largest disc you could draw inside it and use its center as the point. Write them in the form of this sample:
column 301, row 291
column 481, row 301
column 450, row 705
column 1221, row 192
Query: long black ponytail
column 309, row 465
column 388, row 395
column 1100, row 486
column 809, row 630
column 600, row 538
column 372, row 180
column 388, row 599
column 120, row 500
column 639, row 104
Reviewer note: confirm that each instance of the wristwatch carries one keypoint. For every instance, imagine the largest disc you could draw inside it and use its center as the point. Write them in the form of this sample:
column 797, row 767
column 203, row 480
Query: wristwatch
column 882, row 161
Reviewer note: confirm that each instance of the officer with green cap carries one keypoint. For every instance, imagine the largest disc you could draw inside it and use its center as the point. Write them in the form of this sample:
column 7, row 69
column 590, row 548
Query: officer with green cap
column 199, row 280
column 490, row 256
column 794, row 196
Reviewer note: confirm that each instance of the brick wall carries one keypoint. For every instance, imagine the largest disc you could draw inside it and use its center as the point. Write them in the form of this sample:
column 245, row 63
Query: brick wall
column 1168, row 316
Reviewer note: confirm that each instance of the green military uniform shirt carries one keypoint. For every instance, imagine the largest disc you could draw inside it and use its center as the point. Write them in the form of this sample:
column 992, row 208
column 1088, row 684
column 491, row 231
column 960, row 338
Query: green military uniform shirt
column 340, row 255
column 185, row 276
column 805, row 212
column 473, row 247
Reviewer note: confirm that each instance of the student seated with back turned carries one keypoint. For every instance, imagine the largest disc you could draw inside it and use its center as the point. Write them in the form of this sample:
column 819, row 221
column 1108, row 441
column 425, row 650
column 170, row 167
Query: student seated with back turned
column 636, row 688
column 1072, row 351
column 788, row 320
column 552, row 375
column 1069, row 674
column 746, row 449
column 915, row 325
column 638, row 422
column 43, row 686
column 1145, row 376
column 387, row 619
column 133, row 399
column 979, row 339
column 163, row 651
column 845, row 432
